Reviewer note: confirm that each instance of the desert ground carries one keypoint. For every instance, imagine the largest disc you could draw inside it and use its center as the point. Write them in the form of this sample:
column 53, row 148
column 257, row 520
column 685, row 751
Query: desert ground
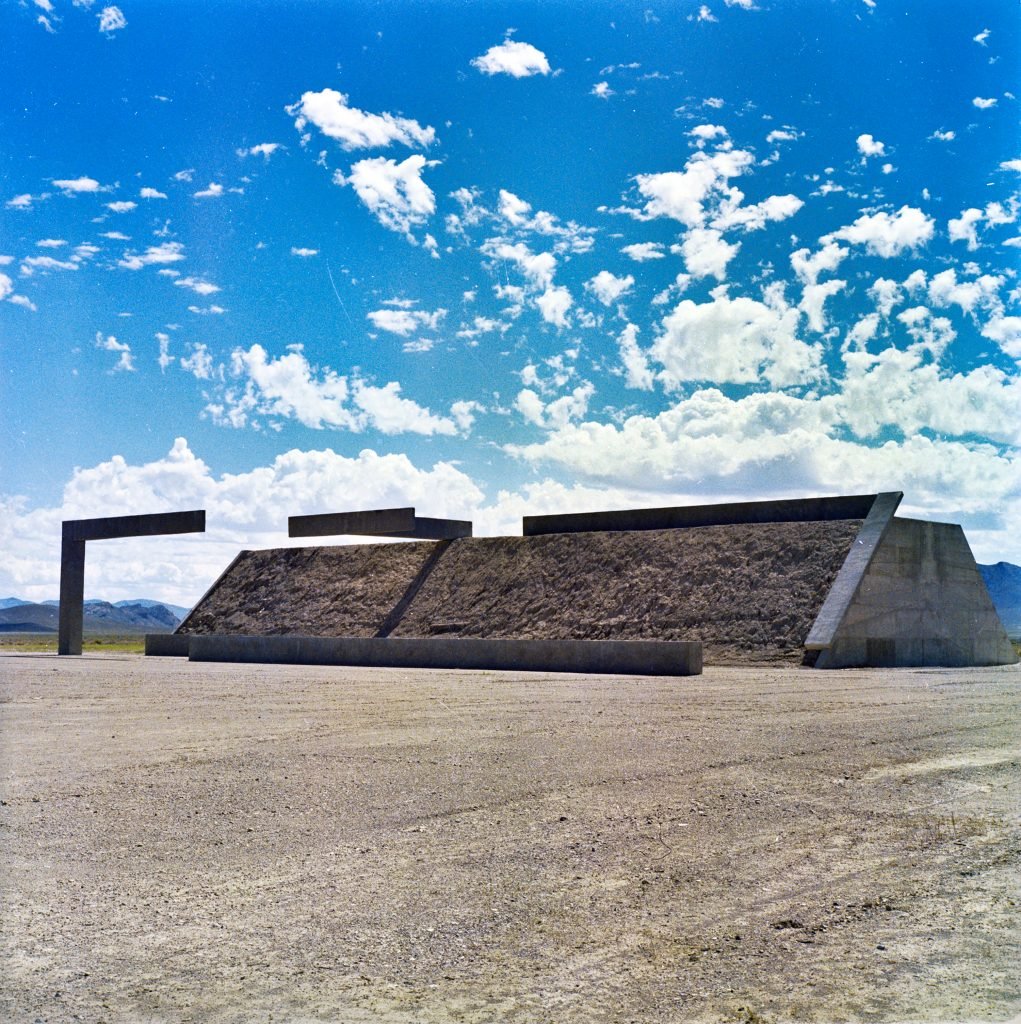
column 212, row 843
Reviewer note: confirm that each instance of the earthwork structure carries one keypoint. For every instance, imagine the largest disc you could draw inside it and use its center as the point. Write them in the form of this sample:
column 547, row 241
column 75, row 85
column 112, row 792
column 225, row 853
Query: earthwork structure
column 830, row 582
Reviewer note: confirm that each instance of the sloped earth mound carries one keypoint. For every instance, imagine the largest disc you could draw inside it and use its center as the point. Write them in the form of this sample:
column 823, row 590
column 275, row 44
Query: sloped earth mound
column 749, row 592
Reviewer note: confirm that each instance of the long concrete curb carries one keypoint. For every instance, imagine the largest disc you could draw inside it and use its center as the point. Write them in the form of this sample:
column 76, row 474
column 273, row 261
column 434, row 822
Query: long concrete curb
column 167, row 645
column 605, row 657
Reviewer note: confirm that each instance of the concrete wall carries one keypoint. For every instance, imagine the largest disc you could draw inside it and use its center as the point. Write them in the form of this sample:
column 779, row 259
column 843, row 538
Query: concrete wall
column 921, row 601
column 605, row 657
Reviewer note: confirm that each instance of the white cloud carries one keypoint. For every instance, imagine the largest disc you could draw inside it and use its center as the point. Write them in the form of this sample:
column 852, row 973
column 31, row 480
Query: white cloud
column 22, row 202
column 734, row 341
column 197, row 285
column 30, row 264
column 304, row 253
column 641, row 252
column 1011, row 165
column 982, row 292
column 167, row 252
column 782, row 135
column 122, row 206
column 404, row 322
column 982, row 103
column 602, row 90
column 635, row 361
column 288, row 387
column 354, row 129
column 51, row 243
column 706, row 253
column 213, row 191
column 965, row 228
column 212, row 310
column 981, row 37
column 557, row 414
column 746, row 5
column 520, row 60
column 111, row 19
column 126, row 361
column 943, row 136
column 152, row 193
column 608, row 287
column 813, row 299
column 199, row 362
column 868, row 146
column 884, row 234
column 1006, row 332
column 185, row 175
column 554, row 304
column 808, row 267
column 707, row 132
column 705, row 14
column 75, row 186
column 393, row 192
column 754, row 217
column 682, row 195
column 263, row 149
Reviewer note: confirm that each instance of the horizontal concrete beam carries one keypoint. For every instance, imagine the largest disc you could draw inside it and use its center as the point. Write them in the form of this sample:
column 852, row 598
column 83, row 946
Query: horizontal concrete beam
column 605, row 657
column 384, row 522
column 796, row 510
column 111, row 527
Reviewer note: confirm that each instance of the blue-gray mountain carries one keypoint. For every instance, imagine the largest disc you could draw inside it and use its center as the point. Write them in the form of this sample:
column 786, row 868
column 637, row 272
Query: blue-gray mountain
column 1003, row 581
column 17, row 616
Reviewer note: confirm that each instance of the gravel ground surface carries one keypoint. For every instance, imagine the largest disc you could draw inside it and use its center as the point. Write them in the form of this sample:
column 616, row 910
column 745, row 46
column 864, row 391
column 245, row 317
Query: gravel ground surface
column 215, row 844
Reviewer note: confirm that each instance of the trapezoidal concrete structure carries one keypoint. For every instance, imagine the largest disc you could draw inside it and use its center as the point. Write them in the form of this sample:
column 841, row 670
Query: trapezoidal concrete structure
column 832, row 581
column 383, row 522
column 74, row 535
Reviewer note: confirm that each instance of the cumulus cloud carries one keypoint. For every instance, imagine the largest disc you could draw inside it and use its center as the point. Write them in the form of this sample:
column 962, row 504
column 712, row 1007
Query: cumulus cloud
column 868, row 146
column 354, row 129
column 635, row 361
column 404, row 322
column 642, row 252
column 554, row 415
column 608, row 288
column 706, row 253
column 76, row 186
column 983, row 103
column 394, row 193
column 519, row 60
column 554, row 304
column 111, row 19
column 212, row 191
column 263, row 149
column 198, row 285
column 122, row 206
column 885, row 234
column 167, row 252
column 152, row 193
column 288, row 387
column 303, row 252
column 734, row 341
column 808, row 266
column 125, row 361
column 602, row 90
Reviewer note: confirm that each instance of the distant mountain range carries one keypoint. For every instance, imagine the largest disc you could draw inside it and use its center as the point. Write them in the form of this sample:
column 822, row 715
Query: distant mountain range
column 143, row 616
column 1003, row 581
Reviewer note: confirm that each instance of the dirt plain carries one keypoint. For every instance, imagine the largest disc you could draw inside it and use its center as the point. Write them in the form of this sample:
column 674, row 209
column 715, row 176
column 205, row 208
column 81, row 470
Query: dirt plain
column 212, row 843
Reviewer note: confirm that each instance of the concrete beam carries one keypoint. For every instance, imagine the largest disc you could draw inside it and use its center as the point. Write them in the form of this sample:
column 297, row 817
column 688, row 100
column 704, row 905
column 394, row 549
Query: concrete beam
column 604, row 657
column 75, row 533
column 797, row 510
column 384, row 522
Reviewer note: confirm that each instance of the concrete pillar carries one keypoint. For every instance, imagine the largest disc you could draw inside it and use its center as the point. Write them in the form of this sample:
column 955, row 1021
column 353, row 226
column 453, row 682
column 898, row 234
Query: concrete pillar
column 72, row 594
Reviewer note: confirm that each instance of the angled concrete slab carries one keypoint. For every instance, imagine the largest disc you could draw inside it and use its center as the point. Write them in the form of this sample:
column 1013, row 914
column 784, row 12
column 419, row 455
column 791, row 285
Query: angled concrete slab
column 795, row 510
column 74, row 535
column 383, row 522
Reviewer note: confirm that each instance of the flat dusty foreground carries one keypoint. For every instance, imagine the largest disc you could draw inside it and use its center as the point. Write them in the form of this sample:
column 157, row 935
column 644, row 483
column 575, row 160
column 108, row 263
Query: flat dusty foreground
column 215, row 843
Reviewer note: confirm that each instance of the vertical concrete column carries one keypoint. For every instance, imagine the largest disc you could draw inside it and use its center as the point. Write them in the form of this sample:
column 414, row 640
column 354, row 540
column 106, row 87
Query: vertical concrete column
column 72, row 593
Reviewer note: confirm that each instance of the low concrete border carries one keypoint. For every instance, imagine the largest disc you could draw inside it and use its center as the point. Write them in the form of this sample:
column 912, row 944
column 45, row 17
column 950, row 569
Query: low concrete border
column 795, row 510
column 383, row 522
column 851, row 573
column 74, row 535
column 605, row 657
column 167, row 645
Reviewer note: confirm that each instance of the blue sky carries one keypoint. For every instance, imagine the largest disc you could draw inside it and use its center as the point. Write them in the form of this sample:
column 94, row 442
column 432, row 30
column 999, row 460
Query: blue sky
column 498, row 259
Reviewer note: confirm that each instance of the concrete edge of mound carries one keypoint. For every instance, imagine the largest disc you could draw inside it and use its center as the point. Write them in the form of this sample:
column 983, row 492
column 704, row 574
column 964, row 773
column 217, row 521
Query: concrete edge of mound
column 603, row 657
